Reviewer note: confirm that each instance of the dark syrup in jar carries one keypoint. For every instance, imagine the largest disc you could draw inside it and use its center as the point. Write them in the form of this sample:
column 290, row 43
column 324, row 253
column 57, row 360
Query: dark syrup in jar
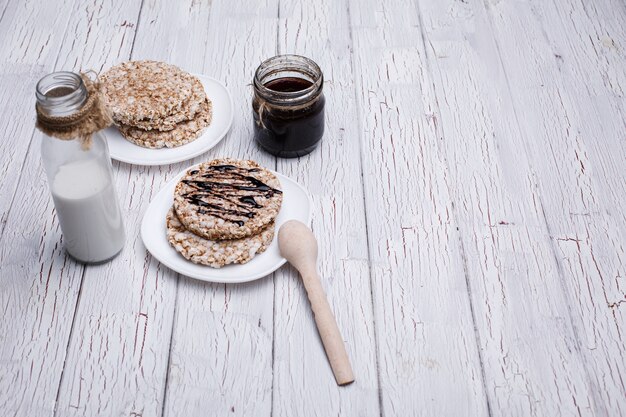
column 289, row 131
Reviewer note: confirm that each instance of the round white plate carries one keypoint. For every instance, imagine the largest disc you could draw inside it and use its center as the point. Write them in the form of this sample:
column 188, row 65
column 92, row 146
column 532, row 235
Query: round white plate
column 123, row 150
column 296, row 205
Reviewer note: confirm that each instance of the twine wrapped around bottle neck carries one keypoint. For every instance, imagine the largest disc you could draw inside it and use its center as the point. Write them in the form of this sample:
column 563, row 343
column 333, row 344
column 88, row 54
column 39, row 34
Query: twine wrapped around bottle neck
column 92, row 117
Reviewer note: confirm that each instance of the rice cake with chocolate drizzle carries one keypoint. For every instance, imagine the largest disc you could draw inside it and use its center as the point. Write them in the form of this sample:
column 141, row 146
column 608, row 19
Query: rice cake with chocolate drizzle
column 139, row 91
column 182, row 134
column 189, row 110
column 227, row 199
column 215, row 253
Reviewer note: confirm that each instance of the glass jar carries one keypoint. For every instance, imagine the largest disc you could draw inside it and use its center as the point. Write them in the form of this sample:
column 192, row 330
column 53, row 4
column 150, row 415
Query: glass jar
column 288, row 105
column 80, row 176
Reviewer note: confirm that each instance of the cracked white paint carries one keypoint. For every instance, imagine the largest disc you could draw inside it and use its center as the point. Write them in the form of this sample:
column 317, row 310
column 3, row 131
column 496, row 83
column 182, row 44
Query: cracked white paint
column 469, row 203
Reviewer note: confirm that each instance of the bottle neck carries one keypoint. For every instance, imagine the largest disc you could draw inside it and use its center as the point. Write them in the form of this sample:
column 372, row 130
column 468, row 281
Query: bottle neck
column 288, row 80
column 61, row 93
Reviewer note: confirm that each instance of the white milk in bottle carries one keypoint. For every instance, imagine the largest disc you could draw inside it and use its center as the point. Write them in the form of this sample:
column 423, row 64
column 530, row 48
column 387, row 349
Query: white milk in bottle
column 88, row 211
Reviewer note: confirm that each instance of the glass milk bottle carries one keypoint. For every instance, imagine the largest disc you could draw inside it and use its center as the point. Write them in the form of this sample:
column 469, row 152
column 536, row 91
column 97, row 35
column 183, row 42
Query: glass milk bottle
column 79, row 171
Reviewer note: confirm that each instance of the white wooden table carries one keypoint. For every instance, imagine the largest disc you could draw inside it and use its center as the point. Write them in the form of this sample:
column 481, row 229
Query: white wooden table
column 470, row 200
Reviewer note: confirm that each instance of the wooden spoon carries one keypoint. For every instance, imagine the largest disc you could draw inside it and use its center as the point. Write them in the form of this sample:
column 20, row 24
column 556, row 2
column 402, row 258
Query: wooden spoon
column 298, row 245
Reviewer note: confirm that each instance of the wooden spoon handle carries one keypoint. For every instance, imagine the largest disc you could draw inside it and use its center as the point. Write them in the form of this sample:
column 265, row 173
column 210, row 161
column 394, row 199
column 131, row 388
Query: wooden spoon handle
column 328, row 330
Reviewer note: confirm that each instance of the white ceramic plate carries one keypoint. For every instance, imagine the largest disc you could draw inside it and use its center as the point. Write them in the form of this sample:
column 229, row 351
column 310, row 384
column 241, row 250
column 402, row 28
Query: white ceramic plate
column 123, row 150
column 296, row 205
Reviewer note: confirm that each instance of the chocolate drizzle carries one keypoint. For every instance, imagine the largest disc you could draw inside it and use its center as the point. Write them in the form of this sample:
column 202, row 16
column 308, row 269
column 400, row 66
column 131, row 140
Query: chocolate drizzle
column 228, row 192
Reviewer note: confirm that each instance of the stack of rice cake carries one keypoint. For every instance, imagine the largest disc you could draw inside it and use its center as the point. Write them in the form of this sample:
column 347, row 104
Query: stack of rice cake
column 155, row 104
column 224, row 212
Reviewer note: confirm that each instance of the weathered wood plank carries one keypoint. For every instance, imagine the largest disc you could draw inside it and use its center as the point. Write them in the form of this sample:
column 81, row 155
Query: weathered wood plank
column 27, row 52
column 574, row 119
column 529, row 346
column 221, row 354
column 594, row 66
column 31, row 38
column 592, row 70
column 428, row 357
column 303, row 381
column 4, row 5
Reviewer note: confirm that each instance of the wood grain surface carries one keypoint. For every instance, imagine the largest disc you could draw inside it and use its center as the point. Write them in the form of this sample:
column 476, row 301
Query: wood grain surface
column 469, row 200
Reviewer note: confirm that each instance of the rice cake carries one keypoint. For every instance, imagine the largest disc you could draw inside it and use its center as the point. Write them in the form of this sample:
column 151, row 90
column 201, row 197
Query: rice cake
column 183, row 133
column 188, row 112
column 137, row 91
column 227, row 199
column 215, row 253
